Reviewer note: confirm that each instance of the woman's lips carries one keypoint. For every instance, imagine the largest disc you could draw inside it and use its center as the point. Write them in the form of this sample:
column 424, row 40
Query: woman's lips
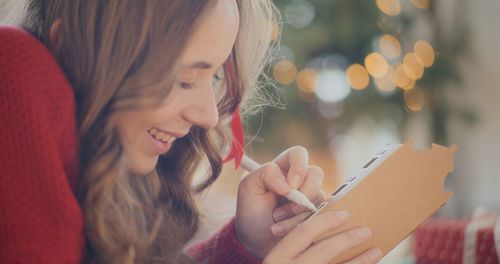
column 161, row 135
column 159, row 147
column 160, row 140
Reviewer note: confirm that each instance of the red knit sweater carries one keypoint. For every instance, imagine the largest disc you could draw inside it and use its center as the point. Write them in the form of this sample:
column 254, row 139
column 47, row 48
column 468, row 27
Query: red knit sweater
column 40, row 218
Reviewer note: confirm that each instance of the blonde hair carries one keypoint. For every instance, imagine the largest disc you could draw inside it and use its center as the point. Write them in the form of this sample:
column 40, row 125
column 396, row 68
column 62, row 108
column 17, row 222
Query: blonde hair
column 113, row 53
column 11, row 12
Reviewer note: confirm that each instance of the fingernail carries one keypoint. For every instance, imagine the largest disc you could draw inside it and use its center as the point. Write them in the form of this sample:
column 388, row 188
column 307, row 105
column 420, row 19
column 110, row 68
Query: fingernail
column 364, row 232
column 375, row 254
column 343, row 215
column 295, row 181
column 277, row 229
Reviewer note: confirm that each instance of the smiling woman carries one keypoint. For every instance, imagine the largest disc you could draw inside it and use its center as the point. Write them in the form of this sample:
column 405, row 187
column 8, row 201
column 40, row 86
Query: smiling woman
column 143, row 73
column 111, row 109
column 191, row 101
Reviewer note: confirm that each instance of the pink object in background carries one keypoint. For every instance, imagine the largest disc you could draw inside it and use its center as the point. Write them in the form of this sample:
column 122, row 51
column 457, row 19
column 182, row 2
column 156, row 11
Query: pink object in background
column 485, row 247
column 457, row 241
column 497, row 238
column 440, row 241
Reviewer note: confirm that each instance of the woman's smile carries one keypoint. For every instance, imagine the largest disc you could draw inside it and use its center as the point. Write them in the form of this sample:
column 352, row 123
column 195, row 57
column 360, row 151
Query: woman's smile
column 161, row 140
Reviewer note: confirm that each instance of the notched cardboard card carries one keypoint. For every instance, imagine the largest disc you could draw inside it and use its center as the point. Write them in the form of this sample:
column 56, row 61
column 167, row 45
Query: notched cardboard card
column 394, row 193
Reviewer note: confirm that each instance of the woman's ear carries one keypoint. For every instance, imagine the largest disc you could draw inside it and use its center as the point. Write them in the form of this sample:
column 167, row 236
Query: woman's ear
column 54, row 31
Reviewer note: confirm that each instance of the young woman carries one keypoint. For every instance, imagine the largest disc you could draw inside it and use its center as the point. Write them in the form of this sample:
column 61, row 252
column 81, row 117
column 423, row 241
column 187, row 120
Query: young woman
column 109, row 107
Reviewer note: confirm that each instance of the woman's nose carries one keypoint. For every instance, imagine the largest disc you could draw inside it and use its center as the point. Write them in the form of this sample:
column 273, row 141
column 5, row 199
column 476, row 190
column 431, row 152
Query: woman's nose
column 202, row 108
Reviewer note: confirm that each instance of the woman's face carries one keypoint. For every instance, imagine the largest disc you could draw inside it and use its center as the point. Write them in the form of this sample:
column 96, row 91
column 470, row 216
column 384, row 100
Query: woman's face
column 146, row 134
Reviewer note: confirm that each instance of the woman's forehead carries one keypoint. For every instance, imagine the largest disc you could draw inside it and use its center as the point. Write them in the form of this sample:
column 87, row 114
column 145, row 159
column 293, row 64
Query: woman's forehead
column 213, row 40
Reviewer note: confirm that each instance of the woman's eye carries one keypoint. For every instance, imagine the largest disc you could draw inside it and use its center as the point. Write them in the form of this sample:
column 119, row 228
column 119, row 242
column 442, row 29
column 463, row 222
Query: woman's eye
column 216, row 78
column 186, row 85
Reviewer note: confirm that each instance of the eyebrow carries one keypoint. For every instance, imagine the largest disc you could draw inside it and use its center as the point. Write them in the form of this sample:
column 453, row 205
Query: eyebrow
column 198, row 64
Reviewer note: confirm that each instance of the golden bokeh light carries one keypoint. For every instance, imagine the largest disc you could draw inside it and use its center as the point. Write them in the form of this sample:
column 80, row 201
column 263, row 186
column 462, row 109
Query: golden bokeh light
column 413, row 65
column 306, row 80
column 390, row 46
column 400, row 78
column 284, row 72
column 414, row 99
column 376, row 65
column 425, row 52
column 386, row 83
column 422, row 4
column 409, row 85
column 389, row 7
column 357, row 76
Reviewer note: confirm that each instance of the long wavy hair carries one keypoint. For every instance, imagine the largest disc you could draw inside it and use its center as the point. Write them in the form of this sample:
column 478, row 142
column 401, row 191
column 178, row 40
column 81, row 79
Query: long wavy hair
column 122, row 55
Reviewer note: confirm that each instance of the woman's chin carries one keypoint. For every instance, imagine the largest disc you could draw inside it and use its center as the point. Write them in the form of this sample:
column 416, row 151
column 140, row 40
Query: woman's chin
column 143, row 167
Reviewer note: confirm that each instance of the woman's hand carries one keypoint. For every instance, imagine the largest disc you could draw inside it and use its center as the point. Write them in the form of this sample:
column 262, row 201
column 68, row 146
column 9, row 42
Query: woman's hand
column 263, row 216
column 296, row 247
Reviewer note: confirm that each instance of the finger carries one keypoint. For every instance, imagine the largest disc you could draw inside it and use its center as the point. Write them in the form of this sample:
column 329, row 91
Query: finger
column 372, row 255
column 291, row 209
column 319, row 199
column 294, row 161
column 322, row 196
column 288, row 210
column 284, row 212
column 267, row 178
column 335, row 245
column 311, row 186
column 282, row 228
column 303, row 234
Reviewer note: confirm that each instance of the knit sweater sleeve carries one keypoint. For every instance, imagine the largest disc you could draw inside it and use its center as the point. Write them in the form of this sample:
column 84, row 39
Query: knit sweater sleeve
column 40, row 219
column 222, row 248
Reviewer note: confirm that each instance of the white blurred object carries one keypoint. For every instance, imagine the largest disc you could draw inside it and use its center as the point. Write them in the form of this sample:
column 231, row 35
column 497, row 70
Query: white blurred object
column 299, row 13
column 332, row 86
column 364, row 138
column 482, row 218
column 483, row 214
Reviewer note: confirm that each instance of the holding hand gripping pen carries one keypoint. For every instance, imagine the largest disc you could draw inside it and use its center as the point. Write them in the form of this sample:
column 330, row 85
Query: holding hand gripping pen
column 294, row 195
column 280, row 232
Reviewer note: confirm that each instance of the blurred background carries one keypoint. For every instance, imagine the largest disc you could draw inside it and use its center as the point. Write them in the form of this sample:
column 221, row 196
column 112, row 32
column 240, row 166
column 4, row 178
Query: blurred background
column 355, row 75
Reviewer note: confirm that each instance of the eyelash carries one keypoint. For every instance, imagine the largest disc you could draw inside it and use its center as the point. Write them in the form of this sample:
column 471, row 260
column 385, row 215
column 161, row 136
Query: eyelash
column 186, row 85
column 216, row 78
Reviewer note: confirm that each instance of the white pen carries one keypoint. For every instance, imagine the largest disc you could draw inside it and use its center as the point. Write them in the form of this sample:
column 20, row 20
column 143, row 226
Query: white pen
column 295, row 196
